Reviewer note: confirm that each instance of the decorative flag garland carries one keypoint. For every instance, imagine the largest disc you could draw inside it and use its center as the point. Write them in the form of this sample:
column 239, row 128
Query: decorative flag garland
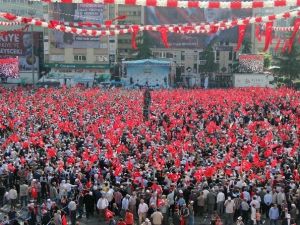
column 164, row 29
column 176, row 28
column 9, row 24
column 187, row 4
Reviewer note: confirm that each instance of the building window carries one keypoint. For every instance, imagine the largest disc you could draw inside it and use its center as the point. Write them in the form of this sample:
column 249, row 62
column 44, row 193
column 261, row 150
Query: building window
column 182, row 56
column 195, row 68
column 218, row 55
column 169, row 55
column 201, row 56
column 101, row 58
column 79, row 58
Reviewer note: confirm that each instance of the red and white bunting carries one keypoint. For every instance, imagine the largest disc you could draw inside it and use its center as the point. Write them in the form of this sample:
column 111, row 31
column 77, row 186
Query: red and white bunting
column 188, row 4
column 174, row 28
column 9, row 24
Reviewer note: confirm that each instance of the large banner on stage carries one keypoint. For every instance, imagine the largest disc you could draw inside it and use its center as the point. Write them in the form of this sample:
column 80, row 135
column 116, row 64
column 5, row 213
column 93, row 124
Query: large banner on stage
column 75, row 13
column 19, row 44
column 251, row 63
column 161, row 15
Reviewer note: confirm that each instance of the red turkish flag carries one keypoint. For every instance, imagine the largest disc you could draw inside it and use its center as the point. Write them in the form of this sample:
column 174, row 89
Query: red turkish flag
column 268, row 35
column 241, row 32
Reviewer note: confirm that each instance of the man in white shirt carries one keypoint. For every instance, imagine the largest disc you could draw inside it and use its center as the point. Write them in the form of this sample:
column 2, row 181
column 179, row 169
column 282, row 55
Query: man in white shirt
column 102, row 204
column 125, row 205
column 13, row 197
column 229, row 211
column 142, row 211
column 220, row 203
column 72, row 212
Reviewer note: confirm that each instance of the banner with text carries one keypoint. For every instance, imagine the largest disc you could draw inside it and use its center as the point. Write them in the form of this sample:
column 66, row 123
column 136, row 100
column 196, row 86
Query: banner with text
column 76, row 13
column 19, row 44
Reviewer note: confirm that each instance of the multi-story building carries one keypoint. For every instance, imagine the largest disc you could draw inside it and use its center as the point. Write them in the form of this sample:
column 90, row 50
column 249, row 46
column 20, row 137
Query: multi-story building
column 134, row 15
column 74, row 58
column 188, row 62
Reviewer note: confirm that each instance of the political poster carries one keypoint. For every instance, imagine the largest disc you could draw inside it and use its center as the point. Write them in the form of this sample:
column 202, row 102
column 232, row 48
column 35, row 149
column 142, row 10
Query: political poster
column 27, row 46
column 162, row 15
column 76, row 13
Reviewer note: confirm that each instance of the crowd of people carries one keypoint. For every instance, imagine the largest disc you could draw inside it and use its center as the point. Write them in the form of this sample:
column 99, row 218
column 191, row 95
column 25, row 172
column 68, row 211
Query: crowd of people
column 224, row 156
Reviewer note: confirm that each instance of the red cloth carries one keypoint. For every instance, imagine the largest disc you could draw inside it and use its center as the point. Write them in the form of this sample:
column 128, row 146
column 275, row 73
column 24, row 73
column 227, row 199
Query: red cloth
column 64, row 220
column 129, row 220
column 241, row 32
column 34, row 193
column 268, row 35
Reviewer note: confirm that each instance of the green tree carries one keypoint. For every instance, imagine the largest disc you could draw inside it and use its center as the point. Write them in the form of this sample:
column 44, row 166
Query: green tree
column 210, row 64
column 247, row 46
column 289, row 63
column 144, row 44
column 267, row 60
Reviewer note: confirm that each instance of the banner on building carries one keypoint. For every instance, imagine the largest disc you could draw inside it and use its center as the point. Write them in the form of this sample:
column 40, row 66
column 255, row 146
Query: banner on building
column 251, row 63
column 163, row 15
column 76, row 13
column 19, row 44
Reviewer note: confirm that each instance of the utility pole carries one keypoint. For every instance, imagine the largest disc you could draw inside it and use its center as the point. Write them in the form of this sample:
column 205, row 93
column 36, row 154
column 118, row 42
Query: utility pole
column 32, row 56
column 31, row 13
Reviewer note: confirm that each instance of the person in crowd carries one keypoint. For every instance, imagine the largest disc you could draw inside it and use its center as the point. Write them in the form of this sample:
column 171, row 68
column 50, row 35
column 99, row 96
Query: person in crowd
column 229, row 211
column 102, row 205
column 220, row 202
column 142, row 211
column 13, row 197
column 240, row 221
column 129, row 218
column 274, row 214
column 157, row 218
column 185, row 213
column 72, row 208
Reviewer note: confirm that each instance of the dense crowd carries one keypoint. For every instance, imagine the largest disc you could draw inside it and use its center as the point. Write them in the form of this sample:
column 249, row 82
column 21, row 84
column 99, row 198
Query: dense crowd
column 227, row 156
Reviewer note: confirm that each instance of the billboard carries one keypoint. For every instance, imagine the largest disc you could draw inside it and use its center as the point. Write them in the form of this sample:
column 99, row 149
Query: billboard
column 251, row 63
column 76, row 13
column 9, row 68
column 19, row 44
column 253, row 80
column 161, row 15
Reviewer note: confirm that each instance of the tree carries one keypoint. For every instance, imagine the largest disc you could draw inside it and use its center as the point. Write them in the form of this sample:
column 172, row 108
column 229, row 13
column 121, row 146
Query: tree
column 267, row 60
column 144, row 44
column 289, row 63
column 247, row 46
column 210, row 65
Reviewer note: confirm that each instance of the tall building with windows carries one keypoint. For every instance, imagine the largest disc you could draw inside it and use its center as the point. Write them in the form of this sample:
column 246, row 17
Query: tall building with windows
column 134, row 15
column 75, row 58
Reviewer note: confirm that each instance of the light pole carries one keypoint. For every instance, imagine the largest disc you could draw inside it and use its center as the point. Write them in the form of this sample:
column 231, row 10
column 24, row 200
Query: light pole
column 32, row 56
column 31, row 13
